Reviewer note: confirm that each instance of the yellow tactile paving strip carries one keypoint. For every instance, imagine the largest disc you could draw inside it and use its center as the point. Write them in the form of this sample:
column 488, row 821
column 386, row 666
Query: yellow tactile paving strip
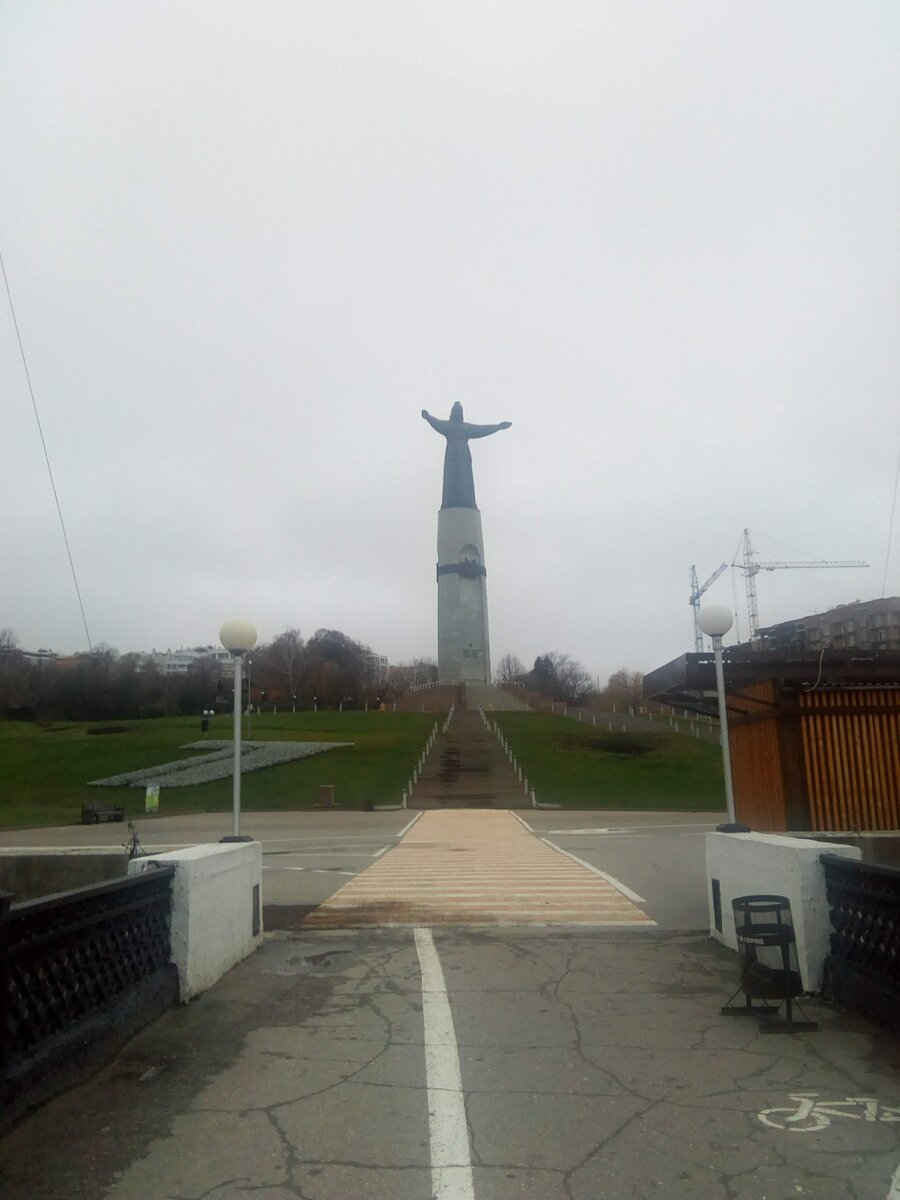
column 465, row 867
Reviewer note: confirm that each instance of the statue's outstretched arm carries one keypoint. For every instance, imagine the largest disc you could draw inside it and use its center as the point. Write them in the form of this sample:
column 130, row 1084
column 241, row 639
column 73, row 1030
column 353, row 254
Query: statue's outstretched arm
column 435, row 422
column 477, row 431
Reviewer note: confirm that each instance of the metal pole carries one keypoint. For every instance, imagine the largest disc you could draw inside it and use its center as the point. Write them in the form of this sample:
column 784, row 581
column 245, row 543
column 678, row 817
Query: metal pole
column 236, row 791
column 249, row 705
column 723, row 727
column 5, row 901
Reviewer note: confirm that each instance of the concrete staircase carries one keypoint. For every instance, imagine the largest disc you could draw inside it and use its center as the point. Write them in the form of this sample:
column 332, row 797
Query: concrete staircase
column 468, row 769
column 492, row 699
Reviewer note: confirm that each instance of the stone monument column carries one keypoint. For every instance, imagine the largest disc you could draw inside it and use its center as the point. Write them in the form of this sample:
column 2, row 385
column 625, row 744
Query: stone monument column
column 464, row 654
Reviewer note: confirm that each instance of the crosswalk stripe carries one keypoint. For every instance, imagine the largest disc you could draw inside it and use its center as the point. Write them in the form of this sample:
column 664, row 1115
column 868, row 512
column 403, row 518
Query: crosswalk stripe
column 478, row 867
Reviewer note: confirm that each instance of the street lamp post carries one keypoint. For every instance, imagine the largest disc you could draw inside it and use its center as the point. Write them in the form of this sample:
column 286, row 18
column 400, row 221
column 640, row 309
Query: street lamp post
column 715, row 620
column 238, row 637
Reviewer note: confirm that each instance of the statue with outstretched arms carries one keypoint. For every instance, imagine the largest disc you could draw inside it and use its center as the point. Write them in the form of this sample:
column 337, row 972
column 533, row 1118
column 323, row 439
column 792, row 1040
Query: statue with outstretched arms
column 459, row 486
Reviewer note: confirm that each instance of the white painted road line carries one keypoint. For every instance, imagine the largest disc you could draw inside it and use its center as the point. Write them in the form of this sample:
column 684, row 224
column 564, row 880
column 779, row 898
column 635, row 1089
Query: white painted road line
column 894, row 1193
column 611, row 879
column 321, row 853
column 313, row 870
column 448, row 1132
column 406, row 828
column 521, row 820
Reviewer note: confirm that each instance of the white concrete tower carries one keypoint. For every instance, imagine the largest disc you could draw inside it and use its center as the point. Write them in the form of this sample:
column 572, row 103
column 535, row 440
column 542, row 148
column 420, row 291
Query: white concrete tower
column 464, row 653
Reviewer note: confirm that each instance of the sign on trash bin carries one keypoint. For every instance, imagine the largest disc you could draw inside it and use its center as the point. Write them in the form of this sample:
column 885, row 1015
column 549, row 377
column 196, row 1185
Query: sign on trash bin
column 151, row 800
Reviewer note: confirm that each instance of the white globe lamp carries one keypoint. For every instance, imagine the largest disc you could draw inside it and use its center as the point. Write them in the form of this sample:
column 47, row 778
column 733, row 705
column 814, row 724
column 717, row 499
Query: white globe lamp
column 715, row 620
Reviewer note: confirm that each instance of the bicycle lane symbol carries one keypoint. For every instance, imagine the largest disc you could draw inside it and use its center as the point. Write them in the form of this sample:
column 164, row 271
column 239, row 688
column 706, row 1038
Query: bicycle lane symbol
column 811, row 1115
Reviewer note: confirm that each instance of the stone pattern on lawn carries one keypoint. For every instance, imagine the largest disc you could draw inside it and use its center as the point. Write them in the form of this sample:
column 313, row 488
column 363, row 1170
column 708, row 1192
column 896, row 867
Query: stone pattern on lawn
column 217, row 763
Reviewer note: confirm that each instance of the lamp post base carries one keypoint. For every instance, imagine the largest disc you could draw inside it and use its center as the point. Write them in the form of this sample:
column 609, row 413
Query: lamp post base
column 726, row 827
column 237, row 837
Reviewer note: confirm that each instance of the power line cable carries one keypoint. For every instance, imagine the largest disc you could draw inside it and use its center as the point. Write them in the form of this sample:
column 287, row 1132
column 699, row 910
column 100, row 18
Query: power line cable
column 37, row 418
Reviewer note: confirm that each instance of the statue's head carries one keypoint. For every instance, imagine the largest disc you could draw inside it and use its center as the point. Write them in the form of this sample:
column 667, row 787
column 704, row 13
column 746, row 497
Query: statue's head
column 456, row 412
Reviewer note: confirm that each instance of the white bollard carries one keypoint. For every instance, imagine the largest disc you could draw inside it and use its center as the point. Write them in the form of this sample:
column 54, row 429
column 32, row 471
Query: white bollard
column 533, row 799
column 403, row 801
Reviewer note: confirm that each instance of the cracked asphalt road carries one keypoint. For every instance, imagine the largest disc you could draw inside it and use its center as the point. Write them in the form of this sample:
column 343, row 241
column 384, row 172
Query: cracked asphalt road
column 593, row 1065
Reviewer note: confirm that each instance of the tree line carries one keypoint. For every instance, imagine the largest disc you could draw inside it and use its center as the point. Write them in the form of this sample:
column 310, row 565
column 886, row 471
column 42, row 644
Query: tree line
column 329, row 670
column 560, row 678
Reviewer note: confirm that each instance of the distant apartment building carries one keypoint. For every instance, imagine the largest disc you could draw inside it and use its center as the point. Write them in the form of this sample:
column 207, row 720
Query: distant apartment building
column 376, row 667
column 180, row 662
column 863, row 625
column 39, row 658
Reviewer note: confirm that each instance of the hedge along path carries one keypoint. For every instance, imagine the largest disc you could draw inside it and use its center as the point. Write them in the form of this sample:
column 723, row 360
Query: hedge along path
column 475, row 867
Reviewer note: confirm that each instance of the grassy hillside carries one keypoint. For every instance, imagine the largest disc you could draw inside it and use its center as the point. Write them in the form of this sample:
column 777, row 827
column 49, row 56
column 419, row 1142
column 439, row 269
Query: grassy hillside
column 44, row 770
column 579, row 766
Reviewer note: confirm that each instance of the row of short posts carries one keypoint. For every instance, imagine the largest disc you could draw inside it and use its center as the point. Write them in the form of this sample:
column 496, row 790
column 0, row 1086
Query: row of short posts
column 513, row 761
column 694, row 723
column 426, row 750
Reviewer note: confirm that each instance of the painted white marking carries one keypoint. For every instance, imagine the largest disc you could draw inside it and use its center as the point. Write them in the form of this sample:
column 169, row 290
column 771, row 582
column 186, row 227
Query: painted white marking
column 383, row 850
column 894, row 1193
column 314, row 870
column 406, row 828
column 521, row 820
column 448, row 1133
column 573, row 832
column 328, row 841
column 631, row 829
column 319, row 854
column 611, row 879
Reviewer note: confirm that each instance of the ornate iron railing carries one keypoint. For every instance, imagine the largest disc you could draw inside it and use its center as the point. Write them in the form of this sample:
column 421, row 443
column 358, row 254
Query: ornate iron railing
column 862, row 971
column 64, row 956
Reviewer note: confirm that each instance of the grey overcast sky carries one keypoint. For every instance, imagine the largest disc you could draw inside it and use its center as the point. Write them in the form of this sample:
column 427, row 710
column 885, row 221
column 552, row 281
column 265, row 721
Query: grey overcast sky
column 247, row 243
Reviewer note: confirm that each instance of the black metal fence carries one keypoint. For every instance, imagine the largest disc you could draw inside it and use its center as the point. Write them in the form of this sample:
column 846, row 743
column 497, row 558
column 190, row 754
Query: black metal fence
column 862, row 971
column 65, row 956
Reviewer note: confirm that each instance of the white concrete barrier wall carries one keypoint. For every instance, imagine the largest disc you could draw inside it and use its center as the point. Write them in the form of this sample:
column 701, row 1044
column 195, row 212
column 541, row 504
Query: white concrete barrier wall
column 754, row 864
column 216, row 904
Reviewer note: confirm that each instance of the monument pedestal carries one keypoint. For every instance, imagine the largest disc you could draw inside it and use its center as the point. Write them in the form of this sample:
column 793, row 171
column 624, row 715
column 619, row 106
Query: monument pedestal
column 463, row 647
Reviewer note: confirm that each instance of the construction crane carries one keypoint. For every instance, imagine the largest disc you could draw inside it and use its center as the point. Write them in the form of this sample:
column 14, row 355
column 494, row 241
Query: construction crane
column 697, row 591
column 752, row 568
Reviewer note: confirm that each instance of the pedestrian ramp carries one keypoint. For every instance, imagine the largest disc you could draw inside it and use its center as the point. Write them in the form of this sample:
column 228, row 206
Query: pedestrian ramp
column 475, row 867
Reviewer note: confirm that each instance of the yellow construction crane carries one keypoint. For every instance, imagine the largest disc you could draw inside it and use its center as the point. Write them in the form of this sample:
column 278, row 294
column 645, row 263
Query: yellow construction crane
column 752, row 568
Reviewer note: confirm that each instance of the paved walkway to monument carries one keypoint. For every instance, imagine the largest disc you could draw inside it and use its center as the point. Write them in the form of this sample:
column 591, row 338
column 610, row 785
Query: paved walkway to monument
column 475, row 868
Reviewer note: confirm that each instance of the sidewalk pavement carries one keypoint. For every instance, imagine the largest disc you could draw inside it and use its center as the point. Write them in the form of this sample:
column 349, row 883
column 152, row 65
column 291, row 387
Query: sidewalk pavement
column 592, row 1064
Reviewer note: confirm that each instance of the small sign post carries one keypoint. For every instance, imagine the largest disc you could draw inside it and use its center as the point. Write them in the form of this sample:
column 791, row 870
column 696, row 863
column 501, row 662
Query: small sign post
column 151, row 800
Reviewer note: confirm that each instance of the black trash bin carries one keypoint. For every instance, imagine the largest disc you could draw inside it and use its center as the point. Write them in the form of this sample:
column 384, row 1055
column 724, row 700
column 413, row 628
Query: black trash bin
column 761, row 923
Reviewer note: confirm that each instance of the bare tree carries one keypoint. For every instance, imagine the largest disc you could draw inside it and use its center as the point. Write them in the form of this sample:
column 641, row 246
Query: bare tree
column 510, row 669
column 558, row 676
column 623, row 687
column 9, row 640
column 285, row 657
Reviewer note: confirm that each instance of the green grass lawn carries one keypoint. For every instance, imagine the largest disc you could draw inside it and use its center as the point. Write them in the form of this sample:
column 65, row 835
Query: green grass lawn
column 583, row 767
column 44, row 770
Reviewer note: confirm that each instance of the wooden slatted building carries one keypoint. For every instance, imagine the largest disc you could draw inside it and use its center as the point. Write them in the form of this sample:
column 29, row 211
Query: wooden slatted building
column 814, row 740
